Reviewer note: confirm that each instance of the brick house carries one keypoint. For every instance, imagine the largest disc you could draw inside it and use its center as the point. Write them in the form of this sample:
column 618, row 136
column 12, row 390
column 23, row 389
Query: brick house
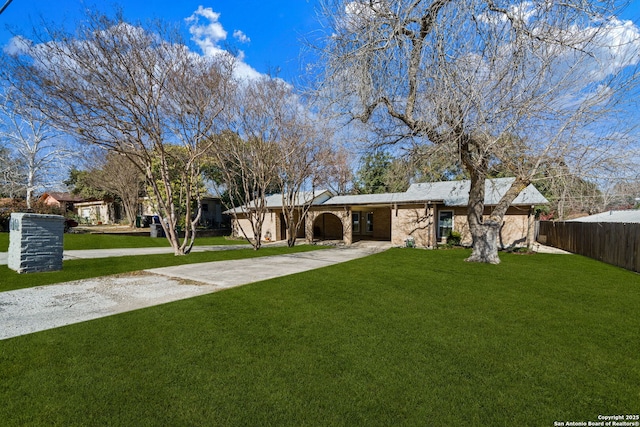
column 426, row 212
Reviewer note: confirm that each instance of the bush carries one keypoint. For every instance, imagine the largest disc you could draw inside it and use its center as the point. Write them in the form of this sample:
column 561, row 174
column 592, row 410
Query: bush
column 454, row 238
column 8, row 206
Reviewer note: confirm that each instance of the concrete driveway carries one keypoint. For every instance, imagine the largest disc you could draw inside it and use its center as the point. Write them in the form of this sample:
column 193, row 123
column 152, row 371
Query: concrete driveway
column 105, row 253
column 25, row 311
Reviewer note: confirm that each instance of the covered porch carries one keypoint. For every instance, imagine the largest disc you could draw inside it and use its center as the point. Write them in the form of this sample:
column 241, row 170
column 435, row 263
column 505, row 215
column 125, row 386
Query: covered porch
column 349, row 224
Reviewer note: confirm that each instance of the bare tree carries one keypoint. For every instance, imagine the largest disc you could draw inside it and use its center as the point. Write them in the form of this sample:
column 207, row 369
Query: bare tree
column 117, row 175
column 247, row 170
column 34, row 142
column 303, row 150
column 136, row 91
column 336, row 171
column 500, row 81
column 278, row 145
column 12, row 176
column 247, row 155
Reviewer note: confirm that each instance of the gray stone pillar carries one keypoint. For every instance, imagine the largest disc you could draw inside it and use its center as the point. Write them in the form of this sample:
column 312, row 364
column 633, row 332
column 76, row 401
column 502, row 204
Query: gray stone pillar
column 35, row 242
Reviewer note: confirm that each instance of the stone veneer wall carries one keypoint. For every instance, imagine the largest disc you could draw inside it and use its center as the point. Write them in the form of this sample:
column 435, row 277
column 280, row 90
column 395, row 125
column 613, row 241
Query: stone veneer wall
column 415, row 221
column 35, row 242
column 513, row 232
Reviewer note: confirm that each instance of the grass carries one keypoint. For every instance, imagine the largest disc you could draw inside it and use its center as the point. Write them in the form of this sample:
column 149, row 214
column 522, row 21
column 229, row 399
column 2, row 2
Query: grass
column 88, row 268
column 406, row 337
column 74, row 241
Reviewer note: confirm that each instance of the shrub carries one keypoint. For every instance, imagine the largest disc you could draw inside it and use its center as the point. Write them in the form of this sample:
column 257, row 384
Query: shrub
column 454, row 238
column 8, row 206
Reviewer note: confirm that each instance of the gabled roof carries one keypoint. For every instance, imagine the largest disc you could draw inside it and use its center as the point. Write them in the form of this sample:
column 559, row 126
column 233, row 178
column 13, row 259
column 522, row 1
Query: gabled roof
column 62, row 196
column 450, row 193
column 628, row 217
column 305, row 197
column 274, row 201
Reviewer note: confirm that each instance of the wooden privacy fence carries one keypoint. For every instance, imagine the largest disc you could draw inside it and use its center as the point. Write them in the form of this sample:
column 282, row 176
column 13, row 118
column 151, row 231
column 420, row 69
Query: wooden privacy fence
column 613, row 243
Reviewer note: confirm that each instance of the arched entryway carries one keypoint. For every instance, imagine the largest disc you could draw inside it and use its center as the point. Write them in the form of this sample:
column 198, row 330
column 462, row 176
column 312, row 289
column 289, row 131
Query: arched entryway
column 328, row 226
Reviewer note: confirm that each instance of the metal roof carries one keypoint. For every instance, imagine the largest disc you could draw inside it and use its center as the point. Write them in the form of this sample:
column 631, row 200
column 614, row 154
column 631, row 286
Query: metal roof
column 274, row 201
column 451, row 193
column 629, row 217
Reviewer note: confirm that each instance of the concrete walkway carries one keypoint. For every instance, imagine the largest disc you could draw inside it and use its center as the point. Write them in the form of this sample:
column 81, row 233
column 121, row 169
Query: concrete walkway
column 25, row 311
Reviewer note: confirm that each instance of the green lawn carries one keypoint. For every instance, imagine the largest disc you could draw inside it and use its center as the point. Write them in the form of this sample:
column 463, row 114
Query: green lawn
column 74, row 241
column 406, row 337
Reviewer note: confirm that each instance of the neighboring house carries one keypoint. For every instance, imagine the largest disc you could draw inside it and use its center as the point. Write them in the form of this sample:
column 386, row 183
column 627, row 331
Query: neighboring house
column 99, row 212
column 212, row 214
column 60, row 200
column 111, row 212
column 626, row 217
column 426, row 212
column 88, row 211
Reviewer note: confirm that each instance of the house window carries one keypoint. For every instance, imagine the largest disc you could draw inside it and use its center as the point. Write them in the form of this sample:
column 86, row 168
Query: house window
column 86, row 214
column 445, row 223
column 369, row 222
column 356, row 221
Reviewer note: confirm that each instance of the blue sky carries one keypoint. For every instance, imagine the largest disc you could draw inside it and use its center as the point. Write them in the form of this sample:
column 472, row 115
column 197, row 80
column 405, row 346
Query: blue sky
column 273, row 29
column 269, row 33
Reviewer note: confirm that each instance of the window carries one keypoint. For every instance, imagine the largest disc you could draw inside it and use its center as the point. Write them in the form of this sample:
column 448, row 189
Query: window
column 205, row 207
column 369, row 222
column 445, row 223
column 356, row 221
column 86, row 214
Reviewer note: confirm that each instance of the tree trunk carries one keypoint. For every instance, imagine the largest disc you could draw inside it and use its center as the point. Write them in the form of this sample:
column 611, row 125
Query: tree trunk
column 484, row 233
column 485, row 242
column 292, row 232
column 130, row 212
column 256, row 223
column 531, row 228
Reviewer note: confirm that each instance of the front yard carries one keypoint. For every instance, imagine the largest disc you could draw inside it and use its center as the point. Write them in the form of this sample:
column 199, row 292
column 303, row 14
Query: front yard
column 406, row 337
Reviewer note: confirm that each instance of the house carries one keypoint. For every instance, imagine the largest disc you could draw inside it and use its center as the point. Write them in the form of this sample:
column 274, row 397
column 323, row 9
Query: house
column 625, row 217
column 274, row 228
column 99, row 212
column 62, row 200
column 426, row 212
column 212, row 215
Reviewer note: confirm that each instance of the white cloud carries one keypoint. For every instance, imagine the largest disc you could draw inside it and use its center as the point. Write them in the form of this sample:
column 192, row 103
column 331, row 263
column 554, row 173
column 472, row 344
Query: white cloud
column 207, row 32
column 358, row 14
column 246, row 71
column 241, row 37
column 17, row 45
column 522, row 13
column 616, row 47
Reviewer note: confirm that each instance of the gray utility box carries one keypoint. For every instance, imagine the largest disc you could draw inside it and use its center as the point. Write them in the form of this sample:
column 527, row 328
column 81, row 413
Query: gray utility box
column 35, row 242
